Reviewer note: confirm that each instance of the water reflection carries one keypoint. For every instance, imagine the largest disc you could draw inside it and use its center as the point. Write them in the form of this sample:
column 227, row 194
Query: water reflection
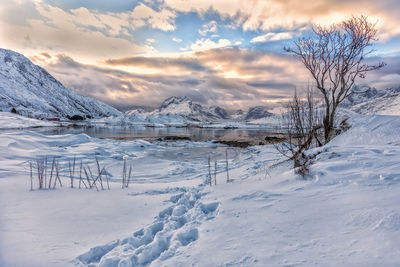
column 151, row 133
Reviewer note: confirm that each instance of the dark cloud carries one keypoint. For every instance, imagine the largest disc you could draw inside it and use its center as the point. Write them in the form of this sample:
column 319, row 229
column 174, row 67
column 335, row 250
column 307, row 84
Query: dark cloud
column 271, row 84
column 386, row 77
column 46, row 55
column 158, row 62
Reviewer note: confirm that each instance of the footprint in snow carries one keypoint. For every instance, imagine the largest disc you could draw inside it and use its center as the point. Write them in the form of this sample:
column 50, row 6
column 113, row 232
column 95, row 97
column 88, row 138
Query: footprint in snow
column 174, row 227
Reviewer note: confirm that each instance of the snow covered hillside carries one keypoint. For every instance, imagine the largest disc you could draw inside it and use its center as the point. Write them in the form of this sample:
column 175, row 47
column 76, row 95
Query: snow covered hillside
column 367, row 100
column 14, row 121
column 346, row 214
column 32, row 91
column 181, row 109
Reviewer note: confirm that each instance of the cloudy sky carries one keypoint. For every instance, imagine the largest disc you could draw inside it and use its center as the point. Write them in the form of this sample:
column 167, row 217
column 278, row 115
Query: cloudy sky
column 217, row 52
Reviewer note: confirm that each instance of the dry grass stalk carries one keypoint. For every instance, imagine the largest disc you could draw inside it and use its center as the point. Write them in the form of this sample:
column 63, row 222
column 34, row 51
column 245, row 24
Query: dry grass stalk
column 72, row 172
column 227, row 166
column 87, row 178
column 124, row 174
column 106, row 174
column 209, row 170
column 39, row 172
column 51, row 172
column 215, row 173
column 45, row 172
column 94, row 180
column 129, row 176
column 98, row 179
column 81, row 181
column 57, row 175
column 99, row 173
column 30, row 165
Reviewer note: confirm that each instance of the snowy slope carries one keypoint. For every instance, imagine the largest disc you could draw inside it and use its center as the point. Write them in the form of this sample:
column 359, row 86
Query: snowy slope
column 31, row 90
column 367, row 100
column 14, row 121
column 348, row 214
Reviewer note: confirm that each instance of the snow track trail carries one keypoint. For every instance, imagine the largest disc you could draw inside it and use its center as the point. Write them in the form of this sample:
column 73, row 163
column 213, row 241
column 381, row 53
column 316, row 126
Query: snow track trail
column 174, row 227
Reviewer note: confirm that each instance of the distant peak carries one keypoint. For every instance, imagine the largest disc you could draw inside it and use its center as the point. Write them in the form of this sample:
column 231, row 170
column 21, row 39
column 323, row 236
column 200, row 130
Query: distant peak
column 257, row 112
column 173, row 100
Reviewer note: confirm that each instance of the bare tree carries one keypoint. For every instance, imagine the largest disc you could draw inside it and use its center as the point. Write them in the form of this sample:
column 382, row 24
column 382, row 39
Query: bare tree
column 335, row 57
column 302, row 124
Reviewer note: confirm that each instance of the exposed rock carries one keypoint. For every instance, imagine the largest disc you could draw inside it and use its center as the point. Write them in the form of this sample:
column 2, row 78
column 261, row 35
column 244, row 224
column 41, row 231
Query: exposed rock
column 274, row 139
column 257, row 113
column 174, row 138
column 76, row 118
column 232, row 143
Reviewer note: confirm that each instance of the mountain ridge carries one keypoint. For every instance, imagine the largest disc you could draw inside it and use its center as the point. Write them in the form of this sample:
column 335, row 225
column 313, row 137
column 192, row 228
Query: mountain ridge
column 187, row 109
column 31, row 91
column 368, row 100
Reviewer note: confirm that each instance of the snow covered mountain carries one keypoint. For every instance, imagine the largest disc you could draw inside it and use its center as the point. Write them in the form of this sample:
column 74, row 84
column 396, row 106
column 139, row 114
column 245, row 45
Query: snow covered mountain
column 187, row 108
column 258, row 112
column 368, row 100
column 32, row 91
column 182, row 109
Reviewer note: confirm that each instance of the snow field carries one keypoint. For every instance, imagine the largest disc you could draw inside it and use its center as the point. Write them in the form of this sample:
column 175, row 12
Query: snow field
column 52, row 227
column 346, row 214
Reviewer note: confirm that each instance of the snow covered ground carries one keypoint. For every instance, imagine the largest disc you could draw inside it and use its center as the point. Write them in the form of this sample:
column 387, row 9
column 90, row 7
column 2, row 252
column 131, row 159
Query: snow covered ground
column 346, row 214
column 13, row 121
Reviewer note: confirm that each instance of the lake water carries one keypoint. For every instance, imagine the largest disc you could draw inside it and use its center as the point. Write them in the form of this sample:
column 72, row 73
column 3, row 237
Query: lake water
column 253, row 136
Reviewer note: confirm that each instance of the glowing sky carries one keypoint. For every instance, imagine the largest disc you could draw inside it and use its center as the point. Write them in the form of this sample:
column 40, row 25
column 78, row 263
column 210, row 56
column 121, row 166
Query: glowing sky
column 219, row 52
